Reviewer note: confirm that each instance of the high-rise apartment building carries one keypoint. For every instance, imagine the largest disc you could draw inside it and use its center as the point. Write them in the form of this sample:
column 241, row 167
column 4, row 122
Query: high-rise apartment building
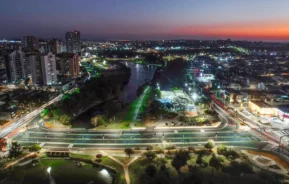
column 36, row 69
column 48, row 65
column 30, row 43
column 74, row 68
column 73, row 42
column 68, row 65
column 43, row 46
column 54, row 46
column 17, row 66
column 63, row 46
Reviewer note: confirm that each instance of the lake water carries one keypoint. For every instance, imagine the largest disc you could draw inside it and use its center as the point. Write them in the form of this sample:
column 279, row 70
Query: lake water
column 139, row 75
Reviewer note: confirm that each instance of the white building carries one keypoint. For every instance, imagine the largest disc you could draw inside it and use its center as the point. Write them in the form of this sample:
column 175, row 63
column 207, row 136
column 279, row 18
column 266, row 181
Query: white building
column 49, row 73
column 19, row 67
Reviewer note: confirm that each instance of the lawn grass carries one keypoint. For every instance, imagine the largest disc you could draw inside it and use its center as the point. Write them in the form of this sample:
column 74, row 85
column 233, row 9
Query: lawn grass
column 133, row 107
column 88, row 157
column 124, row 160
column 116, row 125
column 62, row 171
column 137, row 170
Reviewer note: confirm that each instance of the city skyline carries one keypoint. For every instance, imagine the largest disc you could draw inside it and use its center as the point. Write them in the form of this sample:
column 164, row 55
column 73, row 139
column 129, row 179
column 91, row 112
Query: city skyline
column 140, row 20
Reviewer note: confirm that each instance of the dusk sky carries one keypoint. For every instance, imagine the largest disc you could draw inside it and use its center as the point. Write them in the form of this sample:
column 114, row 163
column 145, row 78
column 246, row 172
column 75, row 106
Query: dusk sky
column 147, row 19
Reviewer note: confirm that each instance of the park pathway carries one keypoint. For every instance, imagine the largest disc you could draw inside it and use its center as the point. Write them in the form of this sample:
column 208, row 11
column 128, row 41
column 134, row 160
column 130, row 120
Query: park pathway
column 124, row 166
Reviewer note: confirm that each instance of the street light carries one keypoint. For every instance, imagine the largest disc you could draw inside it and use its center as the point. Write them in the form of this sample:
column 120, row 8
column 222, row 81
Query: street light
column 194, row 96
column 48, row 170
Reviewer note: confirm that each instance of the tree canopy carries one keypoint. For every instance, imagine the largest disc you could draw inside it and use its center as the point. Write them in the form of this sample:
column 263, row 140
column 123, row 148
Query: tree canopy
column 180, row 159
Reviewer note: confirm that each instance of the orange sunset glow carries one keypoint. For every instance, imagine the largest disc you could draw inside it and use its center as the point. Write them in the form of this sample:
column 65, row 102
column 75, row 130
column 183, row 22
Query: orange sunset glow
column 266, row 31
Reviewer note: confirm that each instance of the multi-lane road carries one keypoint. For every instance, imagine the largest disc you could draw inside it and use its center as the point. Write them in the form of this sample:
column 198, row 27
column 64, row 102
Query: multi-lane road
column 225, row 134
column 26, row 119
column 228, row 133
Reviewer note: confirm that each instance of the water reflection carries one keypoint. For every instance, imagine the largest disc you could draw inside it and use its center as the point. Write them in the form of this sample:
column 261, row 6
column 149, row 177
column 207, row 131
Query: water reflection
column 139, row 75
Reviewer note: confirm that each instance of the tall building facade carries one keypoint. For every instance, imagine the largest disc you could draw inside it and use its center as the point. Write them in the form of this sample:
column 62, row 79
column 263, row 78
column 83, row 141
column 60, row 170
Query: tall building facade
column 48, row 65
column 68, row 65
column 17, row 66
column 54, row 46
column 36, row 69
column 43, row 46
column 74, row 68
column 73, row 42
column 30, row 43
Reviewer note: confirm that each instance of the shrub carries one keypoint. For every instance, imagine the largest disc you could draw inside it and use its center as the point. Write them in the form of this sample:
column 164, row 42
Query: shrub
column 191, row 149
column 170, row 147
column 210, row 145
column 149, row 148
column 150, row 155
column 229, row 153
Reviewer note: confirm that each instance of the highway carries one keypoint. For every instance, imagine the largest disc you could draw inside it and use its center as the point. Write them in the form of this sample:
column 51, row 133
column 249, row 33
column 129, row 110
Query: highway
column 4, row 133
column 225, row 134
column 20, row 122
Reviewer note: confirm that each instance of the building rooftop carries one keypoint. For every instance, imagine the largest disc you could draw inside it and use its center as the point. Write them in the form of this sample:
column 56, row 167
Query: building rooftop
column 261, row 104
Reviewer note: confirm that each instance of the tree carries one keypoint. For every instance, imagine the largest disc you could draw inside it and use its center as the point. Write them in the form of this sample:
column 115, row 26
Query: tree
column 15, row 149
column 165, row 170
column 129, row 151
column 44, row 113
column 160, row 150
column 210, row 145
column 191, row 149
column 3, row 170
column 149, row 148
column 98, row 120
column 35, row 147
column 215, row 163
column 160, row 161
column 56, row 113
column 155, row 108
column 199, row 160
column 151, row 170
column 150, row 155
column 181, row 158
column 65, row 119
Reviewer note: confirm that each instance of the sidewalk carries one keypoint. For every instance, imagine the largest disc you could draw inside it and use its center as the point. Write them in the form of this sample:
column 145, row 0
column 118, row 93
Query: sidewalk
column 188, row 127
column 124, row 166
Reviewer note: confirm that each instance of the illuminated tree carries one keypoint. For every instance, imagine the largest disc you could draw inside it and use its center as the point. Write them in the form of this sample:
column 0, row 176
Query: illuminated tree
column 129, row 151
column 210, row 145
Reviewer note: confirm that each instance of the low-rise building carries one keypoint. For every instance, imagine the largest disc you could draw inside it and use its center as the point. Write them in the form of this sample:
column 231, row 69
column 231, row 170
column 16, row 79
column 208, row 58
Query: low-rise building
column 261, row 108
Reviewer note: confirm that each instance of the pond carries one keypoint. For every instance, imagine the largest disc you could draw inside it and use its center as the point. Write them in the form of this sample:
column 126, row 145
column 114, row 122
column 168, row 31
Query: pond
column 62, row 172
